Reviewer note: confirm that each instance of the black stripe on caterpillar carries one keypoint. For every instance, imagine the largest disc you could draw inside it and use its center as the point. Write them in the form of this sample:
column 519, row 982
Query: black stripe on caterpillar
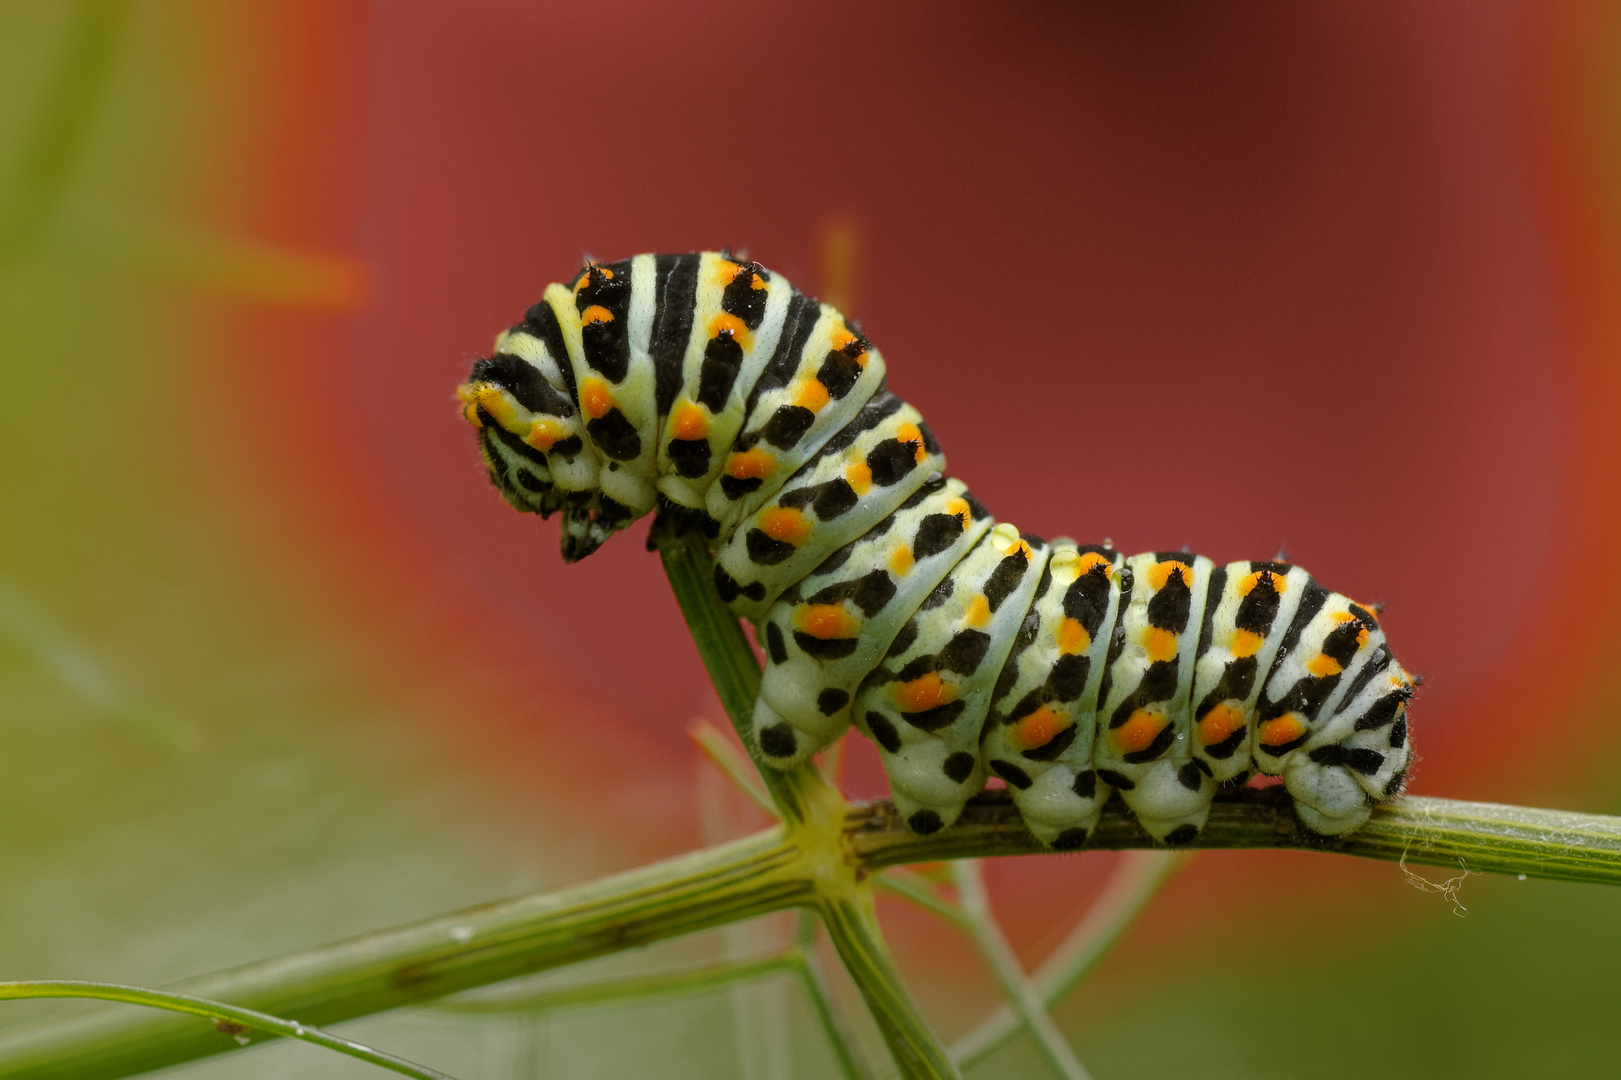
column 883, row 594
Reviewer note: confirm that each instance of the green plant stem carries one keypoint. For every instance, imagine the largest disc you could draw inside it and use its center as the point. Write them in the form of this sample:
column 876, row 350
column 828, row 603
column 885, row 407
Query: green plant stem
column 690, row 980
column 1135, row 882
column 1023, row 998
column 752, row 876
column 854, row 932
column 227, row 1019
column 1557, row 845
column 424, row 960
column 912, row 889
column 852, row 1063
column 812, row 811
column 736, row 767
column 823, row 857
column 800, row 961
column 727, row 657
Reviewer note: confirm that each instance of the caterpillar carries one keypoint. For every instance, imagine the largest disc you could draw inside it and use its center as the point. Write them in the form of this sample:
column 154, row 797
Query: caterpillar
column 884, row 595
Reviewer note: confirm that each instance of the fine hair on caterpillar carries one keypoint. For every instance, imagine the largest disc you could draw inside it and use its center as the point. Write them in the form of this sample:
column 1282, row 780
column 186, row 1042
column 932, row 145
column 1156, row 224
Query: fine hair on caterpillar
column 884, row 595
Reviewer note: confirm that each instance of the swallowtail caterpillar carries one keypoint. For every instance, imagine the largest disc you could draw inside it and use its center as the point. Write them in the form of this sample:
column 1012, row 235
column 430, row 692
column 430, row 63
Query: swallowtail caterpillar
column 883, row 594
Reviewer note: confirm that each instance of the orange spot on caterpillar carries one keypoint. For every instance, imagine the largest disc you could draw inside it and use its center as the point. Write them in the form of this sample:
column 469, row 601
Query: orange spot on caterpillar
column 827, row 621
column 1322, row 665
column 1351, row 617
column 1343, row 617
column 786, row 524
column 1282, row 730
column 812, row 394
column 1220, row 722
column 923, row 693
column 595, row 398
column 727, row 323
column 543, row 432
column 596, row 313
column 1245, row 643
column 841, row 338
column 1246, row 585
column 753, row 464
column 757, row 283
column 1161, row 644
column 911, row 433
column 958, row 508
column 859, row 476
column 585, row 278
column 689, row 421
column 1037, row 729
column 1138, row 731
column 1086, row 562
column 1160, row 573
column 901, row 560
column 978, row 613
column 1073, row 638
column 1020, row 548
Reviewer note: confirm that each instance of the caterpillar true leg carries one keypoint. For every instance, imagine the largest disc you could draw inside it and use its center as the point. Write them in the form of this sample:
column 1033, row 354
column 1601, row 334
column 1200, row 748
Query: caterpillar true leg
column 882, row 593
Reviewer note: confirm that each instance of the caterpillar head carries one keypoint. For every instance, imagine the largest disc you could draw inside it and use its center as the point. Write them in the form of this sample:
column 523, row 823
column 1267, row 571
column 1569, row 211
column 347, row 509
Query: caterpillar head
column 528, row 436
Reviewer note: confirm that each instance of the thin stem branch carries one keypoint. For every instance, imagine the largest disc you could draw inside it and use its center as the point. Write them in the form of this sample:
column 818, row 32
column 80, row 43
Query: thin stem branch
column 915, row 890
column 429, row 959
column 690, row 980
column 736, row 767
column 1022, row 996
column 812, row 810
column 737, row 880
column 227, row 1019
column 846, row 1049
column 855, row 935
column 1135, row 882
column 728, row 659
column 800, row 961
column 1490, row 838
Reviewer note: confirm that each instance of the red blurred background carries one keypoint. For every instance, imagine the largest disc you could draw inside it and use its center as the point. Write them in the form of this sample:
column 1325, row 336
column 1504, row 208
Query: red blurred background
column 1339, row 277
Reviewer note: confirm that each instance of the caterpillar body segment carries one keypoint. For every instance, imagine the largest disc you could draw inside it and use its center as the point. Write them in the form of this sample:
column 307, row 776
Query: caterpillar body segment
column 863, row 473
column 1250, row 610
column 720, row 329
column 926, row 703
column 884, row 595
column 826, row 633
column 606, row 322
column 1144, row 750
column 1040, row 733
column 818, row 380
